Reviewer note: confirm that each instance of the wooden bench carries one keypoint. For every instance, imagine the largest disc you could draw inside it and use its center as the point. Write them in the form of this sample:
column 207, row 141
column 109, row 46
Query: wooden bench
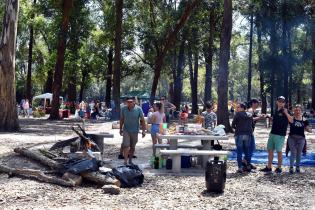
column 167, row 146
column 176, row 162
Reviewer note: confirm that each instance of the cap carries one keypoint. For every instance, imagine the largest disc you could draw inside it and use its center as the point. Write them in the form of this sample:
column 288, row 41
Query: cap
column 281, row 98
column 130, row 98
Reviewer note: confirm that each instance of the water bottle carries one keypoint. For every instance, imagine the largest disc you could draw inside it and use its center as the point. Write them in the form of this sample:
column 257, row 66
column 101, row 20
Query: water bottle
column 156, row 163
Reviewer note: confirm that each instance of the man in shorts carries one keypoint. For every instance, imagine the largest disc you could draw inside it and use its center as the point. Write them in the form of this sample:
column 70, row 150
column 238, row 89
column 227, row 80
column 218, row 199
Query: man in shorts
column 130, row 118
column 277, row 135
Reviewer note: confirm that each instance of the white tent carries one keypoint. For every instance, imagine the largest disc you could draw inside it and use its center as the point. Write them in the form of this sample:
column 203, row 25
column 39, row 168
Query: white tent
column 45, row 96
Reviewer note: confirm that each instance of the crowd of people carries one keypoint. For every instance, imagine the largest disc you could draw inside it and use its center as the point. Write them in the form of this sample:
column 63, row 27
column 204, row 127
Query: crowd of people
column 243, row 123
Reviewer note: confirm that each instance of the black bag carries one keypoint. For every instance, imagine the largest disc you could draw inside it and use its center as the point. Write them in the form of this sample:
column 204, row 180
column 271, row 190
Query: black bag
column 77, row 166
column 215, row 175
column 217, row 146
column 129, row 175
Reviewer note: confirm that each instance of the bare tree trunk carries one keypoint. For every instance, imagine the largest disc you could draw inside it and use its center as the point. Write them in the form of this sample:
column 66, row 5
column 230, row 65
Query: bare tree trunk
column 57, row 83
column 208, row 53
column 223, row 72
column 194, row 74
column 49, row 81
column 313, row 61
column 250, row 55
column 83, row 83
column 168, row 44
column 109, row 75
column 8, row 113
column 30, row 59
column 178, row 81
column 117, row 58
column 285, row 55
column 261, row 70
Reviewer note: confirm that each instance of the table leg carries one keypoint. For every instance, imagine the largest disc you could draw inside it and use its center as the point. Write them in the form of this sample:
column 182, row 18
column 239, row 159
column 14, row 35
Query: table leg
column 176, row 166
column 204, row 158
column 173, row 144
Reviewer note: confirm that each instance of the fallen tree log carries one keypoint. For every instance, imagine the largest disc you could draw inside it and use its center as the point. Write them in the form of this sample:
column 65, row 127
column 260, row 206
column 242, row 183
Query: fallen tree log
column 36, row 174
column 100, row 179
column 39, row 157
column 94, row 177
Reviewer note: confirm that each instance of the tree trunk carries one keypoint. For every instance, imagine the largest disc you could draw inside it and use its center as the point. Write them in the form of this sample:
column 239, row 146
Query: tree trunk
column 249, row 76
column 274, row 54
column 83, row 83
column 8, row 113
column 223, row 72
column 117, row 59
column 109, row 75
column 178, row 81
column 168, row 44
column 285, row 55
column 313, row 61
column 57, row 83
column 49, row 81
column 261, row 70
column 72, row 88
column 208, row 53
column 194, row 75
column 30, row 59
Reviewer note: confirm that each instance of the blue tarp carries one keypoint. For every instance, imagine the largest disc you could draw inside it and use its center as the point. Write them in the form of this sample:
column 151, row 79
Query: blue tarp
column 261, row 157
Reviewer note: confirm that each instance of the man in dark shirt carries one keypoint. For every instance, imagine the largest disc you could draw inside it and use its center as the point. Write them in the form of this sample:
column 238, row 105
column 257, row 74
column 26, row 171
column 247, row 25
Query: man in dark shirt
column 277, row 134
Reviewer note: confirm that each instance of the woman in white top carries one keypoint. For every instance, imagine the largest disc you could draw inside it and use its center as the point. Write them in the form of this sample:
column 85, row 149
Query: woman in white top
column 156, row 119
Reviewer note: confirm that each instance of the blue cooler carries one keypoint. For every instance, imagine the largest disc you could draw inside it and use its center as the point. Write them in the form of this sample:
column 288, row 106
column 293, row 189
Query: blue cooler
column 185, row 161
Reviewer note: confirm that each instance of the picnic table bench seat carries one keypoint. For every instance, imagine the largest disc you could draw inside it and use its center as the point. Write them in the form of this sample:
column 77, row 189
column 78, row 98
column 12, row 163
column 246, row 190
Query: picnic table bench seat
column 176, row 163
column 167, row 146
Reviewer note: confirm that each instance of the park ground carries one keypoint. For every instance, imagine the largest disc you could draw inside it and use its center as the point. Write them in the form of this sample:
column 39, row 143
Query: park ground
column 159, row 190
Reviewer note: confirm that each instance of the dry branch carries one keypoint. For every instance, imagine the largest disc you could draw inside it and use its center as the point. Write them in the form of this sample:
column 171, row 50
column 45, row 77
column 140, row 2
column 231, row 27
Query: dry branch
column 36, row 174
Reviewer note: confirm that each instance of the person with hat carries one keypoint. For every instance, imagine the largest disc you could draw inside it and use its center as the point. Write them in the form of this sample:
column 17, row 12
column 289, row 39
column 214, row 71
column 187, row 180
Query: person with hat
column 130, row 118
column 280, row 121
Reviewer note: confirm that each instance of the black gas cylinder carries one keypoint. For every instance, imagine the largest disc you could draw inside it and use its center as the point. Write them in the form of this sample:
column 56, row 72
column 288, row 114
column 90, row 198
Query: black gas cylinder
column 215, row 175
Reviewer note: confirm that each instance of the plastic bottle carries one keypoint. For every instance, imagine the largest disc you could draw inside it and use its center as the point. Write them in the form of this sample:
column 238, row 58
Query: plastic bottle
column 156, row 163
column 151, row 161
column 161, row 162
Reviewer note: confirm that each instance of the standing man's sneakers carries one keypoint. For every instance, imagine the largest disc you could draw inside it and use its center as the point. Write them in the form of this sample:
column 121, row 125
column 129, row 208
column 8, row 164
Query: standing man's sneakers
column 297, row 169
column 278, row 170
column 291, row 170
column 266, row 169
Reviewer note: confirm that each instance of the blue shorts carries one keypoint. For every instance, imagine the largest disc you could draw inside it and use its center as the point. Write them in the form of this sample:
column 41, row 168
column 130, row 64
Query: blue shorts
column 155, row 128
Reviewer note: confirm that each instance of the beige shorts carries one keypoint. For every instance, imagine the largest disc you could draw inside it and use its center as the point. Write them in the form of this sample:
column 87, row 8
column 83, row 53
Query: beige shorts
column 129, row 139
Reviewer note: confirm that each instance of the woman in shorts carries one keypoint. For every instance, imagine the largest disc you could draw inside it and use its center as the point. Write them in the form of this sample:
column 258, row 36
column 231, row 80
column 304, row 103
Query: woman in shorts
column 156, row 119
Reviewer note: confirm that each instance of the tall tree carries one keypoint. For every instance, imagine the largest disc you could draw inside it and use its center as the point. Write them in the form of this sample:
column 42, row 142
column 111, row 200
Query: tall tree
column 30, row 57
column 168, row 44
column 250, row 54
column 223, row 72
column 109, row 77
column 8, row 115
column 67, row 6
column 208, row 53
column 117, row 59
column 194, row 73
column 260, row 66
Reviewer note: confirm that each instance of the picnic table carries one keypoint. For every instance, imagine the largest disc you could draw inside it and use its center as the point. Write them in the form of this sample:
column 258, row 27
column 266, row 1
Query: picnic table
column 204, row 153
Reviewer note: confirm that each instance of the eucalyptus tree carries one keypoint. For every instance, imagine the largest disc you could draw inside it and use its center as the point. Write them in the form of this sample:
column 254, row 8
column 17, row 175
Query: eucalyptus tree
column 223, row 72
column 67, row 6
column 8, row 114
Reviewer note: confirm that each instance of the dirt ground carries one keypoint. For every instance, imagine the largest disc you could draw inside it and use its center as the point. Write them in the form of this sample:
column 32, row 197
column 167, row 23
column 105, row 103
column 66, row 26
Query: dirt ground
column 159, row 190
